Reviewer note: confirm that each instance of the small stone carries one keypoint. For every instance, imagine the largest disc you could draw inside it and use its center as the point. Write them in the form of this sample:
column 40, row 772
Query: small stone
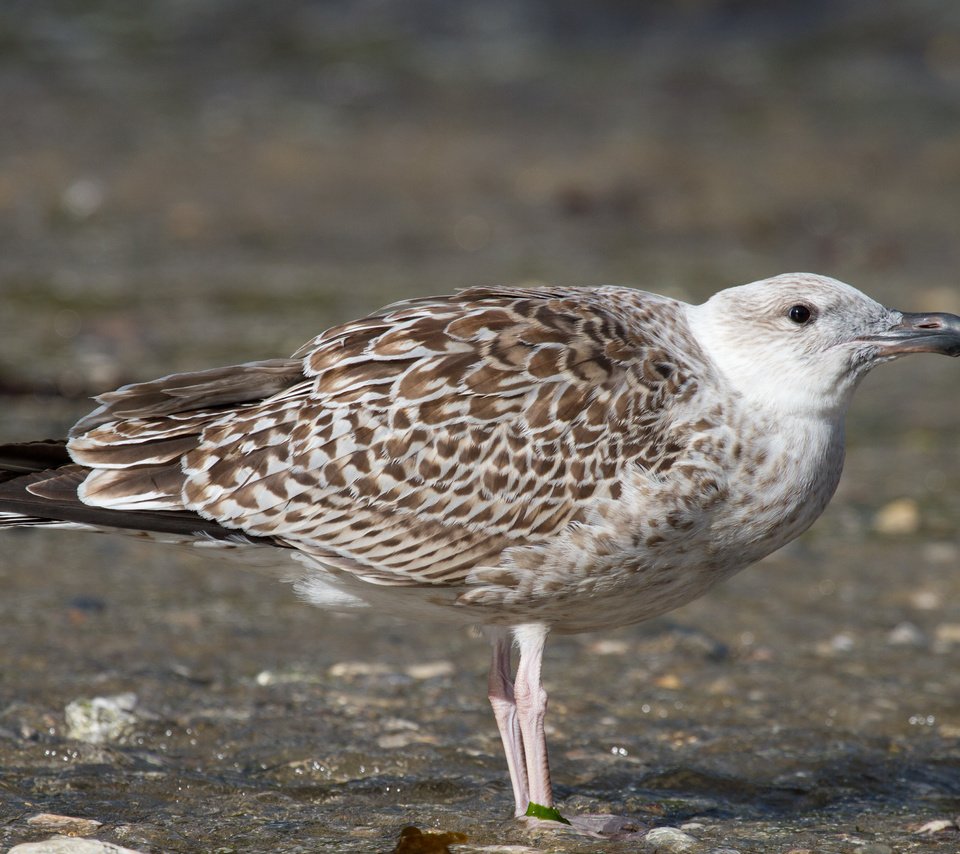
column 352, row 669
column 670, row 840
column 496, row 849
column 265, row 677
column 842, row 642
column 400, row 724
column 906, row 634
column 83, row 198
column 937, row 826
column 839, row 644
column 430, row 669
column 100, row 720
column 68, row 845
column 946, row 635
column 926, row 600
column 609, row 646
column 65, row 824
column 875, row 848
column 899, row 517
column 294, row 675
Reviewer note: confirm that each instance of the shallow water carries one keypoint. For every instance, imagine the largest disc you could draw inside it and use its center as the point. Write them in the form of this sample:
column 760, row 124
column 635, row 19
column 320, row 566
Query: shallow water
column 239, row 200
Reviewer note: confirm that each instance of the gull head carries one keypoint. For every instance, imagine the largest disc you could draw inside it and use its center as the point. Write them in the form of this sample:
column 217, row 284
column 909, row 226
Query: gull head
column 800, row 343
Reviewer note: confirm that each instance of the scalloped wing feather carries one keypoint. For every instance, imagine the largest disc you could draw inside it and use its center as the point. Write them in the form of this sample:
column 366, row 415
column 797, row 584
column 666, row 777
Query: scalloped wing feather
column 417, row 444
column 440, row 432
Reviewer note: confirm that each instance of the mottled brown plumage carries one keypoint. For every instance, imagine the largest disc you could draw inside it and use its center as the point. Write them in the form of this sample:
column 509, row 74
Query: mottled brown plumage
column 414, row 446
column 527, row 459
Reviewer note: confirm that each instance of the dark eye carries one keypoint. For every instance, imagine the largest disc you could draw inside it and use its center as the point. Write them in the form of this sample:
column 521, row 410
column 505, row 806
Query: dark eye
column 799, row 314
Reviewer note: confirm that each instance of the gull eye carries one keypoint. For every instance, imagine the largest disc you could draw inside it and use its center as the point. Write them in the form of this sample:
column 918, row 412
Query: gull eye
column 799, row 314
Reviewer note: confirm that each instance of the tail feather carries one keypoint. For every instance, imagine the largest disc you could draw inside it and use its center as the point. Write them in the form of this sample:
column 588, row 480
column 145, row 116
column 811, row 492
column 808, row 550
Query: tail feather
column 39, row 483
column 21, row 458
column 125, row 455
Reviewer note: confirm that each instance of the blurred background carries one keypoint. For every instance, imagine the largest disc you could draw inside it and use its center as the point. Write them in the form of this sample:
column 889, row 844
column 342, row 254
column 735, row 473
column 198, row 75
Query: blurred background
column 237, row 174
column 186, row 183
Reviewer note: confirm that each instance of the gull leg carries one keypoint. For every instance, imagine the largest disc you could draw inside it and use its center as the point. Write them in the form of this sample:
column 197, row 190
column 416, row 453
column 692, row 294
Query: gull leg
column 500, row 694
column 531, row 709
column 531, row 702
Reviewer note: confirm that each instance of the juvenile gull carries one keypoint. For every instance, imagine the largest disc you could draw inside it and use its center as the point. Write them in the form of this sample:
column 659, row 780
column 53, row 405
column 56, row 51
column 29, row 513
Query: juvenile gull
column 524, row 459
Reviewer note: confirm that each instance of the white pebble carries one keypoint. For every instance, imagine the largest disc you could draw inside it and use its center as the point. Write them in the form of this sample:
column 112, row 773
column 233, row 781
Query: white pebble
column 68, row 845
column 350, row 669
column 899, row 517
column 66, row 824
column 83, row 198
column 100, row 720
column 906, row 634
column 670, row 840
column 430, row 669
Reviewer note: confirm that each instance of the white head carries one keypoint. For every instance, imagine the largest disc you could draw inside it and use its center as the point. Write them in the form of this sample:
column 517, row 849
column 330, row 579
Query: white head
column 799, row 343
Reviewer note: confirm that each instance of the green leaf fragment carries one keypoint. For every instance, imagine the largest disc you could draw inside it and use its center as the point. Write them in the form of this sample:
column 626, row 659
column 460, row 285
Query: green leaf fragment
column 546, row 813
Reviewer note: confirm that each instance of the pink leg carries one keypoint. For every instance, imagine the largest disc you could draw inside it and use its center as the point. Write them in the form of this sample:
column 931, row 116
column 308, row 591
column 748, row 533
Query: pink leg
column 531, row 702
column 520, row 709
column 500, row 693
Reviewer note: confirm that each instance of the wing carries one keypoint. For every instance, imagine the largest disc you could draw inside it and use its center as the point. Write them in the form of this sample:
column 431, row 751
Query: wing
column 417, row 443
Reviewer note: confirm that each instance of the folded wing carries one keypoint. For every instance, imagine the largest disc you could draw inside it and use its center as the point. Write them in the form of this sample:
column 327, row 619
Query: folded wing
column 406, row 447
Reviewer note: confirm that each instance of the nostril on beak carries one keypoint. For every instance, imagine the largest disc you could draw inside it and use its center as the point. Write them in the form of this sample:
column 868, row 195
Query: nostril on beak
column 930, row 324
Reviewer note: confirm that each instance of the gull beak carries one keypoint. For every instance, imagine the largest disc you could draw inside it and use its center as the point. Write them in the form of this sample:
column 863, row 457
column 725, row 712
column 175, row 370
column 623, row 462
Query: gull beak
column 920, row 333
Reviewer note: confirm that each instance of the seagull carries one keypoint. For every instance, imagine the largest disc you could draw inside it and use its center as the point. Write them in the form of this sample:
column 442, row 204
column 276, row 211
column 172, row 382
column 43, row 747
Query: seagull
column 530, row 460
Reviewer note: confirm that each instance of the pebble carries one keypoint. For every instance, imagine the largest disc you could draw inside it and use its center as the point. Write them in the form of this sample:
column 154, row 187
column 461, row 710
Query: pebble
column 926, row 600
column 430, row 670
column 938, row 826
column 839, row 644
column 875, row 848
column 399, row 724
column 609, row 646
column 82, row 199
column 287, row 677
column 670, row 681
column 946, row 636
column 906, row 634
column 899, row 517
column 68, row 845
column 669, row 840
column 65, row 824
column 100, row 720
column 497, row 849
